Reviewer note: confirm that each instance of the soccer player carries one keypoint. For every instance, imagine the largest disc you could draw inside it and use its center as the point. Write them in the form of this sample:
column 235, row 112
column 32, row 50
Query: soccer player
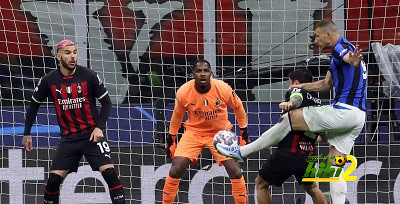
column 206, row 100
column 343, row 120
column 74, row 90
column 293, row 151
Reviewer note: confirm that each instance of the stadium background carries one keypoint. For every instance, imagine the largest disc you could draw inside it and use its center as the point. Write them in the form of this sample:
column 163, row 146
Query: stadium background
column 143, row 50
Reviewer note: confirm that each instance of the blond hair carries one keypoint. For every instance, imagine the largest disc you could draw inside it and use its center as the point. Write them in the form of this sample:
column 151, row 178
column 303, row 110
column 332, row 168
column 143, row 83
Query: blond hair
column 327, row 25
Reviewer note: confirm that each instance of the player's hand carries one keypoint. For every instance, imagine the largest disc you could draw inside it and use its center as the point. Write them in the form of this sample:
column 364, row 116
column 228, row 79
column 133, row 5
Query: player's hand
column 355, row 58
column 97, row 135
column 27, row 142
column 244, row 137
column 170, row 145
column 285, row 106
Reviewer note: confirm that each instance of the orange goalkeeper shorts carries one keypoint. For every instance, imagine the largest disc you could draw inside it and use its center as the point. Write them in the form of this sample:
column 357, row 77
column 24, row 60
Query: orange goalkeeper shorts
column 191, row 145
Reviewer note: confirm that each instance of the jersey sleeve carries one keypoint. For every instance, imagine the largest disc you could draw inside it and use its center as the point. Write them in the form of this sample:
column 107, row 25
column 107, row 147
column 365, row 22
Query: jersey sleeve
column 296, row 92
column 341, row 49
column 236, row 104
column 177, row 115
column 42, row 90
column 99, row 89
column 232, row 100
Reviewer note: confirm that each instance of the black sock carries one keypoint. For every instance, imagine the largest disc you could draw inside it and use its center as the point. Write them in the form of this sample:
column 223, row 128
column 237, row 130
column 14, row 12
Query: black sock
column 114, row 185
column 52, row 190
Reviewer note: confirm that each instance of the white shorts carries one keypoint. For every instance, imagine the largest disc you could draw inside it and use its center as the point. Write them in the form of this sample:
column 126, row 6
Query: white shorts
column 342, row 122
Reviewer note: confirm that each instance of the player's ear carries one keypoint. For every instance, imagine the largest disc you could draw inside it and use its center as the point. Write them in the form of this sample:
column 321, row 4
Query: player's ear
column 58, row 56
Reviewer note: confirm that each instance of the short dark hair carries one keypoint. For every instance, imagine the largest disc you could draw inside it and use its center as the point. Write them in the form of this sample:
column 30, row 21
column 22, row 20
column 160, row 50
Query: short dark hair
column 194, row 65
column 301, row 75
column 326, row 25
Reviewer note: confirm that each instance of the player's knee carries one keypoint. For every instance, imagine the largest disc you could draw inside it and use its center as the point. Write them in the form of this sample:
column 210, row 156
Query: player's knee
column 261, row 183
column 111, row 177
column 53, row 183
column 52, row 190
column 177, row 171
column 338, row 189
column 237, row 174
column 311, row 188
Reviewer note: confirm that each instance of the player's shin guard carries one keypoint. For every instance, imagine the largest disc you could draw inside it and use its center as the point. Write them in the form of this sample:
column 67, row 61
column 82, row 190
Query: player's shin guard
column 270, row 137
column 239, row 192
column 170, row 190
column 52, row 190
column 338, row 190
column 114, row 185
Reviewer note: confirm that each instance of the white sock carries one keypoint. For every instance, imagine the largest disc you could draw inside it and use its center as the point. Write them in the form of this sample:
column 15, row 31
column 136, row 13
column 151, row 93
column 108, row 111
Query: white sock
column 269, row 138
column 338, row 191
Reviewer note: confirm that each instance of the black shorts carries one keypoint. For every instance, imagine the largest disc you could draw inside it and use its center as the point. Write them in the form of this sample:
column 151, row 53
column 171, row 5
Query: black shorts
column 278, row 168
column 69, row 153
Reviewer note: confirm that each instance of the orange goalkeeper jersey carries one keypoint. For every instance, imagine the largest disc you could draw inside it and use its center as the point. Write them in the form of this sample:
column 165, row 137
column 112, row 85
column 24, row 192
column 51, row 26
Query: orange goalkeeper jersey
column 207, row 112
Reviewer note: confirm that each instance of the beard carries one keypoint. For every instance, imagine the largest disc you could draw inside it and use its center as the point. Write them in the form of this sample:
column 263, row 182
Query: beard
column 202, row 88
column 65, row 64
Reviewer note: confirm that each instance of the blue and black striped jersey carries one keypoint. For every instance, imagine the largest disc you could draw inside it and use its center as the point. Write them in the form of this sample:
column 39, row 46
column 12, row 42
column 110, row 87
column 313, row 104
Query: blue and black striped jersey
column 350, row 82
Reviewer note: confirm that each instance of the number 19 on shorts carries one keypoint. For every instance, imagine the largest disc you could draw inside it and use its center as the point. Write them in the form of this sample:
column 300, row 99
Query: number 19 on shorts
column 103, row 146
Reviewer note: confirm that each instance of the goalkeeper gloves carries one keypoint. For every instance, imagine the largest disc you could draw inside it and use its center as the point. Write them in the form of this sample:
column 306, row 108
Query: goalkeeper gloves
column 244, row 136
column 170, row 145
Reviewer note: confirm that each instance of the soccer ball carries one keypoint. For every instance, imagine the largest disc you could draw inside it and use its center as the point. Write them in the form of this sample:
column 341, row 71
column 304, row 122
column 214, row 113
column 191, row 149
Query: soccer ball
column 340, row 161
column 226, row 137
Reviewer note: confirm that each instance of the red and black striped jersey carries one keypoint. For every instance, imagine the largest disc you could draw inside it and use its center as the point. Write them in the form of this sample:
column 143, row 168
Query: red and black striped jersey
column 297, row 144
column 74, row 99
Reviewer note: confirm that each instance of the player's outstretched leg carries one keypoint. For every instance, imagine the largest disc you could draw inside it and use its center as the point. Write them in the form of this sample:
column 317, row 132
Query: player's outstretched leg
column 269, row 138
column 230, row 151
column 52, row 190
column 114, row 185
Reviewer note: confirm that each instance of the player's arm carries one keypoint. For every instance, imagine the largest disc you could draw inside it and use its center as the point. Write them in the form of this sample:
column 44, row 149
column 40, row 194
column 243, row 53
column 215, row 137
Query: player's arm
column 317, row 86
column 177, row 117
column 29, row 120
column 233, row 101
column 240, row 115
column 40, row 93
column 236, row 104
column 296, row 98
column 105, row 110
column 174, row 125
column 353, row 59
column 101, row 94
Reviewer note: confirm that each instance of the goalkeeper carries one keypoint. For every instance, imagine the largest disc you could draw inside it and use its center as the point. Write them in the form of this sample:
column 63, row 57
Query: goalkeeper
column 206, row 100
column 293, row 151
column 74, row 90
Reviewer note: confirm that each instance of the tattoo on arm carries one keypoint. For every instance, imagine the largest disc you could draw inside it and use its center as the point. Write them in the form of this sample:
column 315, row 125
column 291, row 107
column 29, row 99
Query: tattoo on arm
column 296, row 101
